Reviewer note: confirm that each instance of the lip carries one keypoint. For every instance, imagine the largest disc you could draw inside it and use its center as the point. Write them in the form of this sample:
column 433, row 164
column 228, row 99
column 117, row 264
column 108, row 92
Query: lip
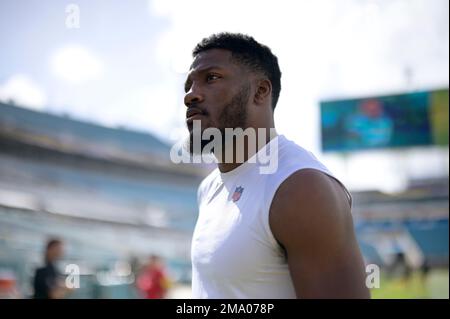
column 193, row 111
column 193, row 114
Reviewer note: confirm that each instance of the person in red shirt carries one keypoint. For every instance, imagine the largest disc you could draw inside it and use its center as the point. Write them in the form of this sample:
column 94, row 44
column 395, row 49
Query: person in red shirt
column 153, row 281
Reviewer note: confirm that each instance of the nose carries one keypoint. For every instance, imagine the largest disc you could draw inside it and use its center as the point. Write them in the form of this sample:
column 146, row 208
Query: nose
column 193, row 96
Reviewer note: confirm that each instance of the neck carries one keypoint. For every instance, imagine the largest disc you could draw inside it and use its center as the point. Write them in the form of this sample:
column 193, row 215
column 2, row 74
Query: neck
column 243, row 147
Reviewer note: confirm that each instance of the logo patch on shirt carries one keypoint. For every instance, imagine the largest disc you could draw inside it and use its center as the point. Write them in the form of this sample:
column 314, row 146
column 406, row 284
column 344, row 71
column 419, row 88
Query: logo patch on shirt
column 237, row 193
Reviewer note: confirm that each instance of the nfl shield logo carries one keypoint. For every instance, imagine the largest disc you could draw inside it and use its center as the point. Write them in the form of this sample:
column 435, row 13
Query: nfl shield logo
column 237, row 193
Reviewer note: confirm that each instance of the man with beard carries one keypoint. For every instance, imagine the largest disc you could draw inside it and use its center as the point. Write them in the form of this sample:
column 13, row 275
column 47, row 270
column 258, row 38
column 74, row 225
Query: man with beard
column 288, row 234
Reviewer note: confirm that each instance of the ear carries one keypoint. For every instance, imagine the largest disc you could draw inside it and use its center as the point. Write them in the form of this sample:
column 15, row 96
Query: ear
column 263, row 91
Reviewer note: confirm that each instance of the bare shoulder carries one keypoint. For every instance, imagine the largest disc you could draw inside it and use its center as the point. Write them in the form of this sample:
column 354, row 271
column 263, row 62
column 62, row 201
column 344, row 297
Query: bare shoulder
column 309, row 204
column 311, row 217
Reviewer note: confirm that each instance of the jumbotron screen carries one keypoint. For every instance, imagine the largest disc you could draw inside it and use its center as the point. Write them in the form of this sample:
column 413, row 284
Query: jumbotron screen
column 391, row 121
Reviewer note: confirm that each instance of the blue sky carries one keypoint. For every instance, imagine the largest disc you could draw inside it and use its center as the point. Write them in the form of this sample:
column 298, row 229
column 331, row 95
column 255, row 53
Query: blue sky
column 117, row 35
column 126, row 63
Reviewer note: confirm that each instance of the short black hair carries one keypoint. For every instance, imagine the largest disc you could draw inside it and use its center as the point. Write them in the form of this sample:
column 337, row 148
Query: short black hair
column 51, row 242
column 246, row 50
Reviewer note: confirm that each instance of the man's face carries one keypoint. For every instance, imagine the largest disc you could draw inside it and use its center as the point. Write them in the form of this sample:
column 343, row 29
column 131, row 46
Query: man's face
column 56, row 252
column 217, row 92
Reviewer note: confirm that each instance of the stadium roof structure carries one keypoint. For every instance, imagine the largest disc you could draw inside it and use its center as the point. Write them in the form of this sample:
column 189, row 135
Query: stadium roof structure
column 67, row 135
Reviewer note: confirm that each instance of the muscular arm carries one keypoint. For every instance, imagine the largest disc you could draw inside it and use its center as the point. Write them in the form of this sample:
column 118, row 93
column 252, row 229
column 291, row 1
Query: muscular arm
column 310, row 217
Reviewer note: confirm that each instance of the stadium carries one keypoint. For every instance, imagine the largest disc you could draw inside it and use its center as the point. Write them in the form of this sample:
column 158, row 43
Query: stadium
column 88, row 122
column 115, row 200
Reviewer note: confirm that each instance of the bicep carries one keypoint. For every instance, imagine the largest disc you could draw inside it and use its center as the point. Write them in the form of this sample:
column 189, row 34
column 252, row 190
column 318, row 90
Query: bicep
column 310, row 216
column 319, row 272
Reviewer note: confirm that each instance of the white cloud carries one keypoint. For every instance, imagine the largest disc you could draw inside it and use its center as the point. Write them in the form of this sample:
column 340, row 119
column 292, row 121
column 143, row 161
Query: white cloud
column 152, row 108
column 326, row 49
column 76, row 64
column 23, row 91
column 146, row 108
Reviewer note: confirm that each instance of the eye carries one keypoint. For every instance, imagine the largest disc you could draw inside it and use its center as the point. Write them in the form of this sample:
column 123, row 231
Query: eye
column 211, row 77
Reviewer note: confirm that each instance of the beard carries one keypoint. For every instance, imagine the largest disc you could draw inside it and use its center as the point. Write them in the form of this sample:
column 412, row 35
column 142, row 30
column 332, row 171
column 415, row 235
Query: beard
column 233, row 115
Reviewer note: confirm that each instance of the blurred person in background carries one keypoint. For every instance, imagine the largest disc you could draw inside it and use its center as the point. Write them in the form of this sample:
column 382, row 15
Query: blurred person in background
column 48, row 282
column 400, row 267
column 153, row 281
column 8, row 286
column 424, row 270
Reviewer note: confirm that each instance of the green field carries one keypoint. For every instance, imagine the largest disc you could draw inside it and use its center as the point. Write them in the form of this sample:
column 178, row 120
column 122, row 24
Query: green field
column 435, row 286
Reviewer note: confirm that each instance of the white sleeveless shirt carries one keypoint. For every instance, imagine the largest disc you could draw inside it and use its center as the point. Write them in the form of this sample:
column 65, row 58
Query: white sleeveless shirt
column 234, row 253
